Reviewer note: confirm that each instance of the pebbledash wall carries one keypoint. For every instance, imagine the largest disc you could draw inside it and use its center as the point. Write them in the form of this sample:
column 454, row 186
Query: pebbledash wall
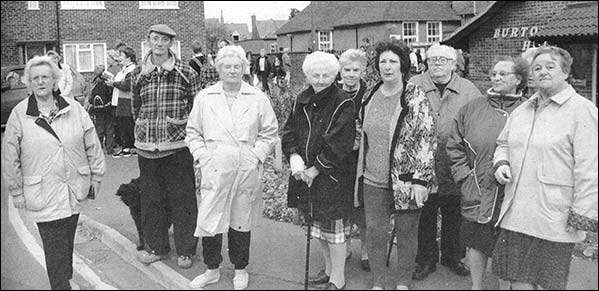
column 507, row 33
column 119, row 21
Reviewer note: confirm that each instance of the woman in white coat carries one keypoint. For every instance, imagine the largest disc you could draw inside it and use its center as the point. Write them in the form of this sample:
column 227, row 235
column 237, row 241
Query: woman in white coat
column 231, row 130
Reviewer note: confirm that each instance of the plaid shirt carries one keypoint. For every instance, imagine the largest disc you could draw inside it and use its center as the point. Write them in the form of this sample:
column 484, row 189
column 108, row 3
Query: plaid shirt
column 209, row 76
column 161, row 103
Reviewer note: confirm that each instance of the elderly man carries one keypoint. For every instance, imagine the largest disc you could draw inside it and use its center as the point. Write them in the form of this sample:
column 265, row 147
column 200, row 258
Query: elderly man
column 263, row 68
column 447, row 93
column 163, row 92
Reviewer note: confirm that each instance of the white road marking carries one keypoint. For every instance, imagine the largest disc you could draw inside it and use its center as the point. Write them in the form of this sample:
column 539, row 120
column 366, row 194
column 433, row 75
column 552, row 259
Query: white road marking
column 79, row 266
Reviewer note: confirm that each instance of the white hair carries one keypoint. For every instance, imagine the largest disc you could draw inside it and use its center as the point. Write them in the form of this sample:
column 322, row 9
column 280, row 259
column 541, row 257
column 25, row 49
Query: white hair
column 231, row 51
column 320, row 58
column 447, row 48
column 353, row 55
column 41, row 61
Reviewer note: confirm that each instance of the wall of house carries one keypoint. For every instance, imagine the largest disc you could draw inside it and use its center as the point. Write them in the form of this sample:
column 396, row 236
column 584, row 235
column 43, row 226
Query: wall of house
column 300, row 41
column 254, row 45
column 484, row 46
column 118, row 22
column 20, row 24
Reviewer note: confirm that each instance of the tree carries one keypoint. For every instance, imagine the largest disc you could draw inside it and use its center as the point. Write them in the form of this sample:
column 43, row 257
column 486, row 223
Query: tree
column 214, row 33
column 293, row 13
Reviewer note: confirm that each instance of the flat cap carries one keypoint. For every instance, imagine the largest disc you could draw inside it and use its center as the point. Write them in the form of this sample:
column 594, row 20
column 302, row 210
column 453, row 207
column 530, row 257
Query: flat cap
column 163, row 29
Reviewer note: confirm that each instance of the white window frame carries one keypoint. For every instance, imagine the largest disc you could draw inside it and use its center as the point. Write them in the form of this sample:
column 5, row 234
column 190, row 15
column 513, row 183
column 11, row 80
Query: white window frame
column 430, row 36
column 82, row 5
column 78, row 49
column 328, row 43
column 145, row 47
column 33, row 5
column 409, row 38
column 158, row 4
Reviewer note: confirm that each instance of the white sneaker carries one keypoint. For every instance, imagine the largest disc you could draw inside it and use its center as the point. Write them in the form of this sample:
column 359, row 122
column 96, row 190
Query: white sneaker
column 240, row 281
column 209, row 277
column 402, row 287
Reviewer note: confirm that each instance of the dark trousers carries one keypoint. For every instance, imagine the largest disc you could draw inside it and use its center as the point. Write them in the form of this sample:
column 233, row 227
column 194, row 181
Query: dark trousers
column 264, row 80
column 169, row 179
column 104, row 123
column 126, row 126
column 452, row 249
column 239, row 249
column 117, row 133
column 58, row 238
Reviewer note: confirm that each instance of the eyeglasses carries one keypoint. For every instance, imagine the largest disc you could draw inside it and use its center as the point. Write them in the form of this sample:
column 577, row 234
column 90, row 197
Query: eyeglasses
column 501, row 74
column 439, row 60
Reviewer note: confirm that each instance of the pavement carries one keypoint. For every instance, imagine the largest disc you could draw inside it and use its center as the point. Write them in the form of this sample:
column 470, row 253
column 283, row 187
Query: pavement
column 277, row 253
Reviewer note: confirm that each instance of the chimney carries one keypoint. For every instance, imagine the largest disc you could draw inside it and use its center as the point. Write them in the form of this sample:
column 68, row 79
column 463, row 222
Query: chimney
column 255, row 33
column 222, row 19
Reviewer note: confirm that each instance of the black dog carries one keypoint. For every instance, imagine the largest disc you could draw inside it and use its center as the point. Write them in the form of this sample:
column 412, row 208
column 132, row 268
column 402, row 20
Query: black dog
column 130, row 195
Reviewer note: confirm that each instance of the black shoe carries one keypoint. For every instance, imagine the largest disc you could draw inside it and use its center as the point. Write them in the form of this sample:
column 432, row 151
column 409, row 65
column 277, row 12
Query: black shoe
column 457, row 267
column 332, row 286
column 365, row 265
column 422, row 271
column 320, row 279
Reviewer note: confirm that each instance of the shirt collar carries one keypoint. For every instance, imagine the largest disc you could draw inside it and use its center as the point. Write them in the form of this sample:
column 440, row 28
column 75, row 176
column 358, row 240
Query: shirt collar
column 559, row 98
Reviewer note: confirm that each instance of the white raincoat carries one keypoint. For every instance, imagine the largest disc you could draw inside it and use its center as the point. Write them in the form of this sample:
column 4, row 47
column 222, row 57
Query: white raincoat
column 229, row 147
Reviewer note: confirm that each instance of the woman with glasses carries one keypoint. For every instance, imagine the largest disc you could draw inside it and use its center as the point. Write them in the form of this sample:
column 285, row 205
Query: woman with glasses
column 395, row 163
column 547, row 158
column 470, row 147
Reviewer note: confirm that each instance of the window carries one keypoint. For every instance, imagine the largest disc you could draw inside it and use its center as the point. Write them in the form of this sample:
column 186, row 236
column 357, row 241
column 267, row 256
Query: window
column 35, row 49
column 433, row 32
column 85, row 56
column 33, row 5
column 145, row 48
column 158, row 4
column 325, row 40
column 81, row 5
column 410, row 32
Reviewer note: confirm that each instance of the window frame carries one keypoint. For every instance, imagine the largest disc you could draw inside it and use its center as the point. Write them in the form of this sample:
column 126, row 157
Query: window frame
column 329, row 34
column 176, row 47
column 408, row 39
column 76, row 63
column 429, row 36
column 76, row 5
column 152, row 7
column 31, row 6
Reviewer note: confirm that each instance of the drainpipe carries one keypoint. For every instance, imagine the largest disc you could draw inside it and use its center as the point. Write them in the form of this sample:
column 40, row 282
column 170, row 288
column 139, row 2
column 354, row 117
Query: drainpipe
column 58, row 27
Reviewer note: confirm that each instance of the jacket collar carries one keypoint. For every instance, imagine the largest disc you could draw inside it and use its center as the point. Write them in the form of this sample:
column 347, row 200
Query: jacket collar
column 559, row 98
column 428, row 85
column 148, row 66
column 218, row 89
column 310, row 96
column 33, row 110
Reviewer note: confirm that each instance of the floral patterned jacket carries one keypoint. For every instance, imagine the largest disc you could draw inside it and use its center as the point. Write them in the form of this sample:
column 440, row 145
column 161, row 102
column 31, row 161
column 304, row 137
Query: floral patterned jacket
column 413, row 145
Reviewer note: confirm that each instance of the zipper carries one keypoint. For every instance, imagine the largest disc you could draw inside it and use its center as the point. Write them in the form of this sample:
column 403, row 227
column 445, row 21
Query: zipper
column 309, row 131
column 474, row 167
column 157, row 113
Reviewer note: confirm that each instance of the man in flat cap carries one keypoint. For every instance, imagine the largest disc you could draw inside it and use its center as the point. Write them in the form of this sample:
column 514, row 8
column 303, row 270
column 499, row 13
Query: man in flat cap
column 163, row 91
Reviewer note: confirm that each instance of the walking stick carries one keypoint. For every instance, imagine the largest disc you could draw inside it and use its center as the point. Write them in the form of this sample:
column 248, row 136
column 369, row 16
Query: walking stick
column 308, row 237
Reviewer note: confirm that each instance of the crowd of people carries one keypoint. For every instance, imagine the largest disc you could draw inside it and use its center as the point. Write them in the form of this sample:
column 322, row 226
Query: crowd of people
column 397, row 138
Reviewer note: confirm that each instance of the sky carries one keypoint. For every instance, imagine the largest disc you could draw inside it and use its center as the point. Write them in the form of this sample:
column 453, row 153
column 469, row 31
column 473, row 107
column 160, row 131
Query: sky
column 241, row 11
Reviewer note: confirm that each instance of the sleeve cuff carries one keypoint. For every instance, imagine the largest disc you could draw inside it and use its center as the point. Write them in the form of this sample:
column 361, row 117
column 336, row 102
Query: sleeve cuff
column 499, row 164
column 322, row 166
column 582, row 223
column 97, row 178
column 419, row 182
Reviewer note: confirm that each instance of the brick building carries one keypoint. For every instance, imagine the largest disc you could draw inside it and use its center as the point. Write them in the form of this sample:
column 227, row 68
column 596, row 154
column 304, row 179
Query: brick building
column 82, row 31
column 508, row 28
column 340, row 25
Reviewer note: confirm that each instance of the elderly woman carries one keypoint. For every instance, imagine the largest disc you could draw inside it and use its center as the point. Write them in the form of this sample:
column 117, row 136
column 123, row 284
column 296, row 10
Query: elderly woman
column 318, row 139
column 395, row 162
column 231, row 130
column 65, row 82
column 353, row 64
column 51, row 160
column 547, row 158
column 470, row 147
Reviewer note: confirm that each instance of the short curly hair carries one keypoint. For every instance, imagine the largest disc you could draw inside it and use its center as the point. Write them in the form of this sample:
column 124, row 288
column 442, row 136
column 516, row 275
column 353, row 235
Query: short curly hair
column 520, row 67
column 41, row 61
column 557, row 53
column 399, row 48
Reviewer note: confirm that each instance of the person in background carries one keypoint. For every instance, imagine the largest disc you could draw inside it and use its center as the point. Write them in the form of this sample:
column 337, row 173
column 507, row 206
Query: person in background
column 447, row 92
column 286, row 66
column 163, row 90
column 317, row 139
column 395, row 164
column 413, row 62
column 546, row 157
column 198, row 60
column 231, row 130
column 531, row 88
column 263, row 69
column 470, row 147
column 51, row 161
column 114, row 67
column 123, row 113
column 460, row 67
column 353, row 64
column 248, row 75
column 100, row 109
column 65, row 83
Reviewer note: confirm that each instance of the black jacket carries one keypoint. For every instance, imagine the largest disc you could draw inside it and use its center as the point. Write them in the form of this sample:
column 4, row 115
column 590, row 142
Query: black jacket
column 321, row 129
column 269, row 67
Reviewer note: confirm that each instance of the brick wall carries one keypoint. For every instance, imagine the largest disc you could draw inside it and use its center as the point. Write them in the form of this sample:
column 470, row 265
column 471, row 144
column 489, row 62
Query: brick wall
column 483, row 47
